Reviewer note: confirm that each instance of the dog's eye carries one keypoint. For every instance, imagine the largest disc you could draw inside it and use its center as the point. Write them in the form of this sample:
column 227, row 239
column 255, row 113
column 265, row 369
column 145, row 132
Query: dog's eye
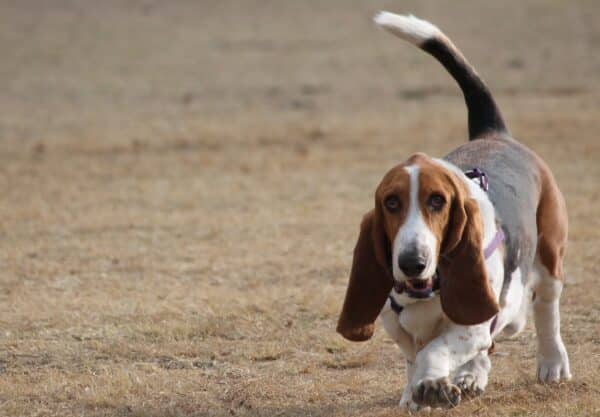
column 436, row 202
column 392, row 203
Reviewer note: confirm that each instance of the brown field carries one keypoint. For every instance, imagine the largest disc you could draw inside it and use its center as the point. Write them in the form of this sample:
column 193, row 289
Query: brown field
column 182, row 184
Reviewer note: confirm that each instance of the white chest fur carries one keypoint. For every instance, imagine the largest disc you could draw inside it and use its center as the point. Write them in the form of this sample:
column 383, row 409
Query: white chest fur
column 417, row 325
column 423, row 320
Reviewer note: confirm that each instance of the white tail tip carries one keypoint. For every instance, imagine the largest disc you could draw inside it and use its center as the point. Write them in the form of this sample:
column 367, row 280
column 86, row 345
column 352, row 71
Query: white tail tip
column 409, row 28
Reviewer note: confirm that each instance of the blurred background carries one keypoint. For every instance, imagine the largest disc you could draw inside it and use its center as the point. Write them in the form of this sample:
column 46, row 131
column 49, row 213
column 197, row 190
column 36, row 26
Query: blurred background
column 183, row 183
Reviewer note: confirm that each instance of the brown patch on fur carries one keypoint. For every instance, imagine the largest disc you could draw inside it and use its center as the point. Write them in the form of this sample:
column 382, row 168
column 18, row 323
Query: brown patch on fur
column 552, row 222
column 397, row 183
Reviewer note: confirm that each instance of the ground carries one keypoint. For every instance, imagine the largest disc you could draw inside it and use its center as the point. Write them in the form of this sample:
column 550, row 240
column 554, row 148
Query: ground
column 182, row 184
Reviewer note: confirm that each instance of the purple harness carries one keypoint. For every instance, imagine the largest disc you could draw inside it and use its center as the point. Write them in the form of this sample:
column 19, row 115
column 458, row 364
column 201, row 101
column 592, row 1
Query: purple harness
column 478, row 174
column 474, row 173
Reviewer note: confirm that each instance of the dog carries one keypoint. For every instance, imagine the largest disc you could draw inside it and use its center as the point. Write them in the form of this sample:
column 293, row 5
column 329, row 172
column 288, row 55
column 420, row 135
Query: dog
column 456, row 249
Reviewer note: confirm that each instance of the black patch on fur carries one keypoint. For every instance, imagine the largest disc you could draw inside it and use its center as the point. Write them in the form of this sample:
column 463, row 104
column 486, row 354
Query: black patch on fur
column 484, row 115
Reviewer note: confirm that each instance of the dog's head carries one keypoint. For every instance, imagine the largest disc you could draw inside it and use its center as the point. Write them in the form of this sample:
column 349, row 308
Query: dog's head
column 423, row 223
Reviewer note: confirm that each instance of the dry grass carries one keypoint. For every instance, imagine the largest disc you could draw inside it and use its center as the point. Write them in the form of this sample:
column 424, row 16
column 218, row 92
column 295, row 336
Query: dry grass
column 182, row 186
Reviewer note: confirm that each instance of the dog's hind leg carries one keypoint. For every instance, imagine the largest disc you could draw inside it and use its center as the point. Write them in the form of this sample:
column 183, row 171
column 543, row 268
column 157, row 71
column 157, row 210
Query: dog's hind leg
column 552, row 358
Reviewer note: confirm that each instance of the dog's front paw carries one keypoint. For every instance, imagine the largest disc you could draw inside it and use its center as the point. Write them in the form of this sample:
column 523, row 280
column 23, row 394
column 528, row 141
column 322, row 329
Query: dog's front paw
column 407, row 404
column 411, row 406
column 471, row 385
column 436, row 393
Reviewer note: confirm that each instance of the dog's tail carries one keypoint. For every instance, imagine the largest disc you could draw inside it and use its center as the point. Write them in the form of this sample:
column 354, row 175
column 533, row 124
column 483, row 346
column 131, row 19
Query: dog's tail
column 485, row 118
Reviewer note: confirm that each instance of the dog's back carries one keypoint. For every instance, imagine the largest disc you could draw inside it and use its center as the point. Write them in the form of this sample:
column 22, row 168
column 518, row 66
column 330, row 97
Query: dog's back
column 527, row 201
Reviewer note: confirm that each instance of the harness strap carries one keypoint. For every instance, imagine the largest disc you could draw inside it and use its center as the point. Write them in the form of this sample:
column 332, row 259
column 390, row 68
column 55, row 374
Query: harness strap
column 493, row 245
column 396, row 308
column 477, row 173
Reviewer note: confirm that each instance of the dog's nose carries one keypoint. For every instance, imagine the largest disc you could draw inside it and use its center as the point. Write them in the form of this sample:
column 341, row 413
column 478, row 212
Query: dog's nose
column 412, row 266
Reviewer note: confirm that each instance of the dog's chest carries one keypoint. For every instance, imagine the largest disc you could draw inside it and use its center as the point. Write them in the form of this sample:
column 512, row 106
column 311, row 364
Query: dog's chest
column 423, row 321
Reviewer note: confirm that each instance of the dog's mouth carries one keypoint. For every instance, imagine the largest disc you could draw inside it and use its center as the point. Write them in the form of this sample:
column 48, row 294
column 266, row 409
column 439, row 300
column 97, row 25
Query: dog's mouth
column 417, row 288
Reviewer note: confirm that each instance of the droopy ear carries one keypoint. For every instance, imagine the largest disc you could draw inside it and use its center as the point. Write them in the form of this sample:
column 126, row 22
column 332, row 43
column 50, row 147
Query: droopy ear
column 457, row 220
column 370, row 281
column 465, row 292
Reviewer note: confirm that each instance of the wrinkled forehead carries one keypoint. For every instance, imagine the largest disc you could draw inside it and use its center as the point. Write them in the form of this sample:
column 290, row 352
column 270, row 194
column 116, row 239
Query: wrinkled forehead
column 418, row 170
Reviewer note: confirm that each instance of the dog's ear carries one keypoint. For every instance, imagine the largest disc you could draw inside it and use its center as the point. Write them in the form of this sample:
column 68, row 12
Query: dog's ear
column 370, row 280
column 465, row 292
column 457, row 219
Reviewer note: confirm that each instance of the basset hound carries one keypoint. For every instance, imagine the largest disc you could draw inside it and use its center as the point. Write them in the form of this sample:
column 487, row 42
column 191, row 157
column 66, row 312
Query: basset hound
column 457, row 249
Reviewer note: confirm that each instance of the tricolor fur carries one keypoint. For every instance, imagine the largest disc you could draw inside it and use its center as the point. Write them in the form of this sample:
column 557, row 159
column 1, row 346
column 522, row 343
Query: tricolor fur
column 430, row 220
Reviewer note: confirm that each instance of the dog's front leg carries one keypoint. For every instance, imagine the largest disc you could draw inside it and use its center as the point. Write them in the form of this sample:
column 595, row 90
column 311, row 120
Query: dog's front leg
column 454, row 347
column 391, row 323
column 406, row 402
